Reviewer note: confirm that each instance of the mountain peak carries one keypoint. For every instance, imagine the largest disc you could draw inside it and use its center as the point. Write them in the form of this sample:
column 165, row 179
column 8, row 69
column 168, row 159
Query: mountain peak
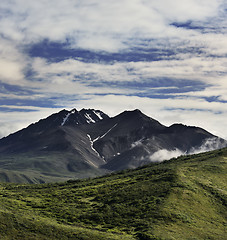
column 139, row 118
column 73, row 111
column 132, row 113
column 74, row 142
column 84, row 116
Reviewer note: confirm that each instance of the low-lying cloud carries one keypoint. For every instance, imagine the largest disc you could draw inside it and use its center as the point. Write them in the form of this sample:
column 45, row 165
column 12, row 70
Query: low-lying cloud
column 165, row 154
column 209, row 144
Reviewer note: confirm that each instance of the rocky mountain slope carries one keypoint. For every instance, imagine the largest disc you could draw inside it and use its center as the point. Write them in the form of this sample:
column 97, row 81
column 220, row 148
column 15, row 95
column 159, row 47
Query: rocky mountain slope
column 77, row 144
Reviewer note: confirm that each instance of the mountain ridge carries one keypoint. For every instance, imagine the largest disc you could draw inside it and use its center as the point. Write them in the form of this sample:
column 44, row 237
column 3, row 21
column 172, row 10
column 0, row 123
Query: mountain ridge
column 89, row 142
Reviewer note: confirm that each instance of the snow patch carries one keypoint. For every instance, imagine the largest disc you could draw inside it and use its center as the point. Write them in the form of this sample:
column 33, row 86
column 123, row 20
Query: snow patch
column 65, row 119
column 92, row 145
column 98, row 114
column 96, row 139
column 108, row 131
column 73, row 111
column 89, row 118
column 104, row 133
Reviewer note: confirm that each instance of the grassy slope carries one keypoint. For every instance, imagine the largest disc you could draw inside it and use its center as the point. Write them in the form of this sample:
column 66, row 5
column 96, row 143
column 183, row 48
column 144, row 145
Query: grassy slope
column 34, row 167
column 184, row 198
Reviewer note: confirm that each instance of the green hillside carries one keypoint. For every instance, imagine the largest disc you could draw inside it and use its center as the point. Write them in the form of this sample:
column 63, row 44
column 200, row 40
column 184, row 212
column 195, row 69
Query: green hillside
column 34, row 167
column 184, row 198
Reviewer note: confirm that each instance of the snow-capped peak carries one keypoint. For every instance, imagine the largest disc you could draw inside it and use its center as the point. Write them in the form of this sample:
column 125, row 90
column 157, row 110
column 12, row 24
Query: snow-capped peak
column 89, row 118
column 84, row 116
column 98, row 114
column 92, row 116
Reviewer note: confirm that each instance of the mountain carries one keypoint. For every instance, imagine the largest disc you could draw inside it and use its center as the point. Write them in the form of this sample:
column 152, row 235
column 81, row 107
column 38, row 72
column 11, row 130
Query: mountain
column 86, row 143
column 53, row 149
column 48, row 133
column 131, row 139
column 184, row 198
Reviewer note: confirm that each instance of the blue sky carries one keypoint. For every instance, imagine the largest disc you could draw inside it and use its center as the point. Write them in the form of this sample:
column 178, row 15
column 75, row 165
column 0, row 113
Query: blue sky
column 167, row 58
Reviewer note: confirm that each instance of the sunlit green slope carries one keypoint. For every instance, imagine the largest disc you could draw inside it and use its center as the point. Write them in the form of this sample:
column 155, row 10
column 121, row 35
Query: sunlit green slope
column 184, row 198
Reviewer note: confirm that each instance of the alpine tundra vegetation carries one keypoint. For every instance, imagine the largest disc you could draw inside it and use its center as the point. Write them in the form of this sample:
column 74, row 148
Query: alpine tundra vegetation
column 183, row 198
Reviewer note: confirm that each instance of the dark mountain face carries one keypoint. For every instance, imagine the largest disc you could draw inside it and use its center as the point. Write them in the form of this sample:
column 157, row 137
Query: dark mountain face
column 121, row 133
column 88, row 142
column 49, row 133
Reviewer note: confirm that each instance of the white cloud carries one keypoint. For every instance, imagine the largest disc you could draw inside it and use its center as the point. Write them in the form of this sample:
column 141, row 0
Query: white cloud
column 165, row 154
column 10, row 70
column 184, row 10
column 12, row 62
column 103, row 21
column 209, row 144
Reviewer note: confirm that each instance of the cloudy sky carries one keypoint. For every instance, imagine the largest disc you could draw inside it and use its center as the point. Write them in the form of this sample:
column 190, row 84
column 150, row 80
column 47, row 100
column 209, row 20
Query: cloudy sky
column 167, row 58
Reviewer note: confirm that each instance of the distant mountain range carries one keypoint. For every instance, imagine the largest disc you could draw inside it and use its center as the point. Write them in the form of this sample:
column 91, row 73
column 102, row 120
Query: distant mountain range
column 87, row 143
